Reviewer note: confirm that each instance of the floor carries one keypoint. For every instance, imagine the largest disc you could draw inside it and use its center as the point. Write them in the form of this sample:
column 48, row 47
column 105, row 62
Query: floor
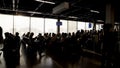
column 48, row 61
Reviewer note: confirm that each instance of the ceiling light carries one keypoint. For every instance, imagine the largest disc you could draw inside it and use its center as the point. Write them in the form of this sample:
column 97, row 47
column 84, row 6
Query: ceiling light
column 94, row 11
column 72, row 17
column 43, row 1
column 100, row 21
column 34, row 12
column 116, row 22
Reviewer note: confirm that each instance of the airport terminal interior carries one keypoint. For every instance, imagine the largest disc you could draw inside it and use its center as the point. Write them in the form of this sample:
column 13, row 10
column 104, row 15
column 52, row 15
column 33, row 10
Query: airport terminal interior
column 59, row 34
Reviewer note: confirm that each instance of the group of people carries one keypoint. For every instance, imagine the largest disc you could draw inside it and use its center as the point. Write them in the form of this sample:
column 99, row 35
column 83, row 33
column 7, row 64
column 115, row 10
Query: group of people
column 11, row 50
column 64, row 45
column 68, row 45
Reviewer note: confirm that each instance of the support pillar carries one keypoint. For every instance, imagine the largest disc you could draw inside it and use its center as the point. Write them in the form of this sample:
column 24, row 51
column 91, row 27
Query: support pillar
column 94, row 26
column 110, row 15
column 58, row 29
column 58, row 23
column 108, row 42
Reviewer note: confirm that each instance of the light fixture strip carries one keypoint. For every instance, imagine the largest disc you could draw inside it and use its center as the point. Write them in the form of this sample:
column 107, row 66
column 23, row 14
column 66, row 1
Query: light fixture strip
column 45, row 1
column 72, row 17
column 94, row 11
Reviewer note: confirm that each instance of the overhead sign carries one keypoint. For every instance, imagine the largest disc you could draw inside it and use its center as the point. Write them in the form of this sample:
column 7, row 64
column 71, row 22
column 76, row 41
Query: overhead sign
column 89, row 25
column 58, row 23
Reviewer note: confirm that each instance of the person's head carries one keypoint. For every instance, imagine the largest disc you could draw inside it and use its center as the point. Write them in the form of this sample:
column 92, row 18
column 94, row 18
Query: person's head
column 7, row 34
column 28, row 34
column 39, row 34
column 1, row 30
column 31, row 34
column 17, row 34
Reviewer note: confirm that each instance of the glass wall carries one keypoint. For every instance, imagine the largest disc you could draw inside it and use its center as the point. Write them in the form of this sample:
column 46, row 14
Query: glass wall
column 81, row 26
column 99, row 26
column 24, row 24
column 63, row 27
column 50, row 25
column 72, row 26
column 37, row 25
column 21, row 24
column 6, row 22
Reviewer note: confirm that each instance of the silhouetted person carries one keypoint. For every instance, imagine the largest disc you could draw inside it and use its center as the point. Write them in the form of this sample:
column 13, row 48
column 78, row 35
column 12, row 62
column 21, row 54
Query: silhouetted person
column 40, row 44
column 17, row 47
column 1, row 37
column 108, row 47
column 31, row 51
column 25, row 41
column 9, row 51
column 1, row 40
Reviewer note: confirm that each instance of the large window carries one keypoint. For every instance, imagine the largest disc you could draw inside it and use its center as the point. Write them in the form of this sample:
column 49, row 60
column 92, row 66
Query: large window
column 50, row 25
column 63, row 27
column 21, row 24
column 37, row 25
column 6, row 22
column 81, row 26
column 72, row 26
column 99, row 26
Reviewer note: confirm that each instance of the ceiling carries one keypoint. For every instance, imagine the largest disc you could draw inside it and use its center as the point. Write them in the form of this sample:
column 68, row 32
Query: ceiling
column 78, row 8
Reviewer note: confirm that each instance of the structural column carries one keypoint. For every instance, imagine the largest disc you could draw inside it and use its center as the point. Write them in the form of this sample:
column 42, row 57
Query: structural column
column 58, row 23
column 94, row 26
column 58, row 29
column 110, row 14
column 30, row 24
column 108, row 42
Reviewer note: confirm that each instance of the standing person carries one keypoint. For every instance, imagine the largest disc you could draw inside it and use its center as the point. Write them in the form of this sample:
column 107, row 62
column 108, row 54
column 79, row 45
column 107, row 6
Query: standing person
column 40, row 44
column 108, row 46
column 1, row 37
column 31, row 51
column 9, row 51
column 1, row 40
column 17, row 48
